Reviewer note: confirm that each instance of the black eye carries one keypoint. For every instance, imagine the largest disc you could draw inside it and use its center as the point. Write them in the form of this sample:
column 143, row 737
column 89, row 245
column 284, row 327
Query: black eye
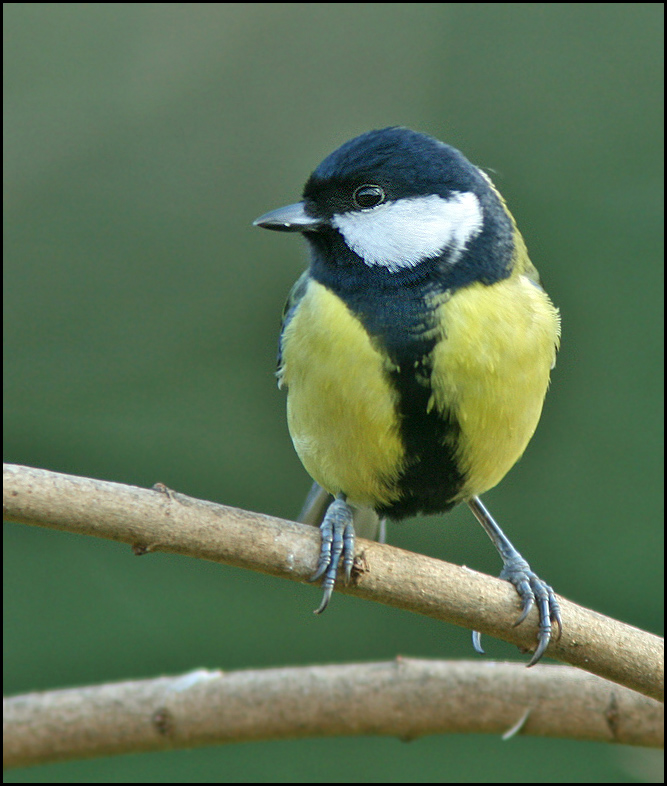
column 368, row 196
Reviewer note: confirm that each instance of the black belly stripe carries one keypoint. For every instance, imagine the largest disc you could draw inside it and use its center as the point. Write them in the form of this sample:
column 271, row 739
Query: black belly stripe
column 431, row 478
column 394, row 309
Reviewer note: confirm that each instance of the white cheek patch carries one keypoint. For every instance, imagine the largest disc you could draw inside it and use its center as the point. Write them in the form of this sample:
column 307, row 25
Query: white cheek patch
column 401, row 234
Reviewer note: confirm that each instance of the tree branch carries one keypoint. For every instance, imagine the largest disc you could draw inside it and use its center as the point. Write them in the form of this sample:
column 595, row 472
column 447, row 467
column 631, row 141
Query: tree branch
column 161, row 520
column 406, row 698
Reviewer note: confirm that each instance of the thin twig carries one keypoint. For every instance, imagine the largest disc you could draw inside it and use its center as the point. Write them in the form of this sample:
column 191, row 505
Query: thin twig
column 406, row 698
column 157, row 520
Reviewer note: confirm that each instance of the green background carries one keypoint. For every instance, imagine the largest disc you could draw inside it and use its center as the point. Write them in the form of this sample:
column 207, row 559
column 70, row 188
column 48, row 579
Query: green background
column 142, row 311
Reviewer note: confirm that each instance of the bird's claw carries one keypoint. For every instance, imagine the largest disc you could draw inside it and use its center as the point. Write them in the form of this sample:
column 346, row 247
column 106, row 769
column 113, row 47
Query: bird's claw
column 337, row 530
column 533, row 592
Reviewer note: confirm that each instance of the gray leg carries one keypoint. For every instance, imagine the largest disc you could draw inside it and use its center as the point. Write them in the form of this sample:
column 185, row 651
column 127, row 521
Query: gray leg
column 532, row 590
column 337, row 540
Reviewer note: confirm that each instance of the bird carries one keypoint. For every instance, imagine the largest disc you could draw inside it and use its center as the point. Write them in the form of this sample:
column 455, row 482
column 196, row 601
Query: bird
column 416, row 348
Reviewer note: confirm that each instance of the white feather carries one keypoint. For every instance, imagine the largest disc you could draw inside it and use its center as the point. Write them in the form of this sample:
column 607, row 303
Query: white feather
column 401, row 234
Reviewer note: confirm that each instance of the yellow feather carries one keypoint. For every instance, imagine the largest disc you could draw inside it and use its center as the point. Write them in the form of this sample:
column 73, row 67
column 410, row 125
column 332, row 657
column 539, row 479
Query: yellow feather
column 492, row 371
column 341, row 410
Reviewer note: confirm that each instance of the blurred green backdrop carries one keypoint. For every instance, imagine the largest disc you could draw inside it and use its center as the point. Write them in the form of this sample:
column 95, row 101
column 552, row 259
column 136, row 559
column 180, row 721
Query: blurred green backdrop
column 142, row 311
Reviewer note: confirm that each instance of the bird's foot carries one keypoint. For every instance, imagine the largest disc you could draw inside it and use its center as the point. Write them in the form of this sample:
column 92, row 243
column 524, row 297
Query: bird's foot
column 337, row 531
column 533, row 592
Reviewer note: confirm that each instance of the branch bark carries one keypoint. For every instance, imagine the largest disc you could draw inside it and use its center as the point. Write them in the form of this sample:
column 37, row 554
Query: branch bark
column 162, row 520
column 406, row 698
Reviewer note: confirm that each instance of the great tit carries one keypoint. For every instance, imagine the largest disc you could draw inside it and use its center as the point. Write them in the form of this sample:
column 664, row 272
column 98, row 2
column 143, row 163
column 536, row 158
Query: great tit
column 416, row 349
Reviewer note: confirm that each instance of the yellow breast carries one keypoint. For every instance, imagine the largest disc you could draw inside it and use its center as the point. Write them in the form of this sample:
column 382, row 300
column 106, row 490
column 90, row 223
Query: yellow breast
column 492, row 371
column 341, row 410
